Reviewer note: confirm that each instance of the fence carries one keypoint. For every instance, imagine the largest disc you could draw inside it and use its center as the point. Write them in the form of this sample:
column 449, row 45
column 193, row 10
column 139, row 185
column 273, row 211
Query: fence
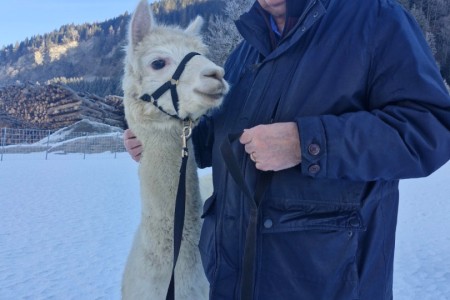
column 45, row 144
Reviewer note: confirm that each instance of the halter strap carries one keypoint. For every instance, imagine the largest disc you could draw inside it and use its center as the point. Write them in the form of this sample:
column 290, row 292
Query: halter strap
column 172, row 86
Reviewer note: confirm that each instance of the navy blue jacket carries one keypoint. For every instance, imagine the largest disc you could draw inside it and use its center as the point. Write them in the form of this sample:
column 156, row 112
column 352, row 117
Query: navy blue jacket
column 359, row 80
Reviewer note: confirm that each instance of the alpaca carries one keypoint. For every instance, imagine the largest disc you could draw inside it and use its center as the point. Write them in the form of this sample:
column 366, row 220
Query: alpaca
column 152, row 56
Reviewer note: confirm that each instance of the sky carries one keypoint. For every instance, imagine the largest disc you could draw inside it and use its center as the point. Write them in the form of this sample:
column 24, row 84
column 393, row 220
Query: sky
column 20, row 19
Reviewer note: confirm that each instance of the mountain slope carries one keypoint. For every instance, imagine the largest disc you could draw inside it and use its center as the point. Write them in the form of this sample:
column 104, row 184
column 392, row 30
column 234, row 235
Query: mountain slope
column 88, row 57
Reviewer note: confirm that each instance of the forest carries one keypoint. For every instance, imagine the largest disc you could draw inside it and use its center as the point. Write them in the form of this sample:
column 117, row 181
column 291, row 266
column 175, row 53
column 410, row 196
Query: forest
column 88, row 57
column 434, row 18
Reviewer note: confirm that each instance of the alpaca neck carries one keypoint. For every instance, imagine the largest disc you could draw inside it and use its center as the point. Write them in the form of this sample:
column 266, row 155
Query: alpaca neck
column 159, row 175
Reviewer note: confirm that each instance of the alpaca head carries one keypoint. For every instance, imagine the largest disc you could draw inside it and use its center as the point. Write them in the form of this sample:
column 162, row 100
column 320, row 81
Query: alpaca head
column 152, row 56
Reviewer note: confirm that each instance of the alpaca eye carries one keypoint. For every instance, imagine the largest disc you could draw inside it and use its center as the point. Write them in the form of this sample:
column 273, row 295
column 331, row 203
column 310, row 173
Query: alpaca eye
column 158, row 64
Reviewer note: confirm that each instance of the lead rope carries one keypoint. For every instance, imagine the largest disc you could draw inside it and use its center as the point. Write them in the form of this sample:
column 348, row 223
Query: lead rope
column 180, row 206
column 255, row 200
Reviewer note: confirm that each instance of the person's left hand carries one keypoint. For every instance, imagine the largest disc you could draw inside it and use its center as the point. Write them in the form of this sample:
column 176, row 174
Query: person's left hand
column 273, row 147
column 132, row 145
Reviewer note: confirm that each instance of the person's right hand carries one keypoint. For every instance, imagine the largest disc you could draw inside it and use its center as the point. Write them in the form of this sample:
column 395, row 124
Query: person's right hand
column 132, row 145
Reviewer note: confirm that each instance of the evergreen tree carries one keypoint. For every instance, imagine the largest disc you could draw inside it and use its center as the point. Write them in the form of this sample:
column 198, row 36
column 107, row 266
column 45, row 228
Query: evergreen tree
column 222, row 36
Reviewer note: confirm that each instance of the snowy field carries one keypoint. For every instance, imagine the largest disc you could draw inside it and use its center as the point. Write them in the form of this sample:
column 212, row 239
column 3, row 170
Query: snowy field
column 66, row 226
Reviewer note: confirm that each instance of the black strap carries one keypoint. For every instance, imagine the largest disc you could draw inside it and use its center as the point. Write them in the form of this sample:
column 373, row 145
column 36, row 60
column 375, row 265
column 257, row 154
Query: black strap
column 180, row 207
column 148, row 98
column 182, row 65
column 170, row 85
column 248, row 262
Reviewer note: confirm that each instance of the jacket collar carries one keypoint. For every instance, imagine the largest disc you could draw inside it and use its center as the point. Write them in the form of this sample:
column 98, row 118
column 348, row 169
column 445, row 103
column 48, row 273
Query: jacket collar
column 255, row 28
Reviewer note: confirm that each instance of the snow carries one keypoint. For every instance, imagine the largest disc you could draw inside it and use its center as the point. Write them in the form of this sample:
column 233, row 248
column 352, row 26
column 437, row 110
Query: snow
column 80, row 129
column 422, row 267
column 66, row 227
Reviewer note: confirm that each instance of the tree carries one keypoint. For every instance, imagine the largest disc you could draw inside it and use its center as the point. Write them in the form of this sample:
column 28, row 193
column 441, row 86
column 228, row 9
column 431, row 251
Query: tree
column 222, row 36
column 424, row 23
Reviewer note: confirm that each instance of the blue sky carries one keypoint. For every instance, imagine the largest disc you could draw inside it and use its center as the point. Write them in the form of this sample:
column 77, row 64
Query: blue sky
column 20, row 19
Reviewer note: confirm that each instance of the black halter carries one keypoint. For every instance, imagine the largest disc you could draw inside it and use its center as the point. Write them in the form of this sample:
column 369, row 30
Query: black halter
column 172, row 86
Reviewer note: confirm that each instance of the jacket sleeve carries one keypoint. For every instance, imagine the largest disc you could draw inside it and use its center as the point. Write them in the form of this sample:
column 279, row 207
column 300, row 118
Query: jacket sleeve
column 406, row 131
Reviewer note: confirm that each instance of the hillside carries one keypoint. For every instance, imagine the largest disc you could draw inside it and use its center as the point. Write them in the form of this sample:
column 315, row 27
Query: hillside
column 88, row 57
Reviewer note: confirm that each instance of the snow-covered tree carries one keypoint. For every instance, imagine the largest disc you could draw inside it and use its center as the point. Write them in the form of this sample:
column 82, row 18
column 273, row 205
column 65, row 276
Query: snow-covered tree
column 424, row 23
column 222, row 36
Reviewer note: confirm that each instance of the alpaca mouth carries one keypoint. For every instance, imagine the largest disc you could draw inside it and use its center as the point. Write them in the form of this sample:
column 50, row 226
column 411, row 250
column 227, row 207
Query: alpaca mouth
column 213, row 96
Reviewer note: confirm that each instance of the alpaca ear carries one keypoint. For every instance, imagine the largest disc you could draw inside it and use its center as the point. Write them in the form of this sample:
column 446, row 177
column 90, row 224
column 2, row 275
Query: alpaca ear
column 196, row 26
column 141, row 23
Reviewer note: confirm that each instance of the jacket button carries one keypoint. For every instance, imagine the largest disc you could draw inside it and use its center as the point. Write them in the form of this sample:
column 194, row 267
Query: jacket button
column 268, row 223
column 314, row 149
column 314, row 169
column 354, row 222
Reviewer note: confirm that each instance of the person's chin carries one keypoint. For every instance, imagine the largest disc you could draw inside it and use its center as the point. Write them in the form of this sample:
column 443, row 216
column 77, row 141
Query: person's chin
column 275, row 3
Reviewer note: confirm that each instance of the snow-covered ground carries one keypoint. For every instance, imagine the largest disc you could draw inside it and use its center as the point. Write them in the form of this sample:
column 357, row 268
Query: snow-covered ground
column 66, row 227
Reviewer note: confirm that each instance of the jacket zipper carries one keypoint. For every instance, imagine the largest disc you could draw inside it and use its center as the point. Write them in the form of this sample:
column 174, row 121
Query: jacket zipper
column 272, row 119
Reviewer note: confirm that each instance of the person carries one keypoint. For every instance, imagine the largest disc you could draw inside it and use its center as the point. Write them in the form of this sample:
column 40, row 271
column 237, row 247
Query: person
column 339, row 100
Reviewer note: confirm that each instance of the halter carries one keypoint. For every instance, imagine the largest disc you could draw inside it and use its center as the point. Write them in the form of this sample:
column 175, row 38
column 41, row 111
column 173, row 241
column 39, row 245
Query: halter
column 172, row 86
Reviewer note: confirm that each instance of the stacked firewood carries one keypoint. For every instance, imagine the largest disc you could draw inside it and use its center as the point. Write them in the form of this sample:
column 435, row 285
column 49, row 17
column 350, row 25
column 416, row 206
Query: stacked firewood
column 55, row 106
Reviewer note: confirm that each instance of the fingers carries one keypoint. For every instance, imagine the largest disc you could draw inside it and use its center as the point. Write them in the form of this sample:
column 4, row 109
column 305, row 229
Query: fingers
column 249, row 140
column 274, row 146
column 127, row 134
column 136, row 153
column 250, row 145
column 246, row 137
column 132, row 145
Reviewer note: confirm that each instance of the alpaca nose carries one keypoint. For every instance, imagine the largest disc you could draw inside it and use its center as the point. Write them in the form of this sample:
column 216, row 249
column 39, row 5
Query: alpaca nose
column 214, row 73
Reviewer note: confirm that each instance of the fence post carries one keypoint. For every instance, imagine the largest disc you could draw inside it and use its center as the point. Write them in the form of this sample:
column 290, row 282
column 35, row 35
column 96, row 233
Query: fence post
column 48, row 144
column 115, row 146
column 85, row 146
column 3, row 142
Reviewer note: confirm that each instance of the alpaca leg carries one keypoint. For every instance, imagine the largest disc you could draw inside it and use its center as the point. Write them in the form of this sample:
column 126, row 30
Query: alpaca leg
column 142, row 278
column 191, row 282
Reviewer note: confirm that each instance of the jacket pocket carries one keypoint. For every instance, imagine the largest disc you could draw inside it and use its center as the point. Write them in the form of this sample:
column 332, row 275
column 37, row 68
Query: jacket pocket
column 207, row 243
column 315, row 247
column 290, row 190
column 312, row 217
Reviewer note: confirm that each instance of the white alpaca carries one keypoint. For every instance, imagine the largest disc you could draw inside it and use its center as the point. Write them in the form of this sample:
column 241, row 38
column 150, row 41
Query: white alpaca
column 152, row 55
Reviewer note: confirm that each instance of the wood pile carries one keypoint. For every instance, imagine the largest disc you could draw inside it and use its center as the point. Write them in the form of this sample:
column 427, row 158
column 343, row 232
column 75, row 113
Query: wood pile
column 55, row 106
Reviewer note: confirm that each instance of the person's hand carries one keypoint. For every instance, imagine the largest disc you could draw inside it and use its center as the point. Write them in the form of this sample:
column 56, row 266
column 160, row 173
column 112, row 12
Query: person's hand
column 132, row 145
column 274, row 146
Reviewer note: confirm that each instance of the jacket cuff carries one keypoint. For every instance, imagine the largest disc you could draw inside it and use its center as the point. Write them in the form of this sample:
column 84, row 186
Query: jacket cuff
column 313, row 146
